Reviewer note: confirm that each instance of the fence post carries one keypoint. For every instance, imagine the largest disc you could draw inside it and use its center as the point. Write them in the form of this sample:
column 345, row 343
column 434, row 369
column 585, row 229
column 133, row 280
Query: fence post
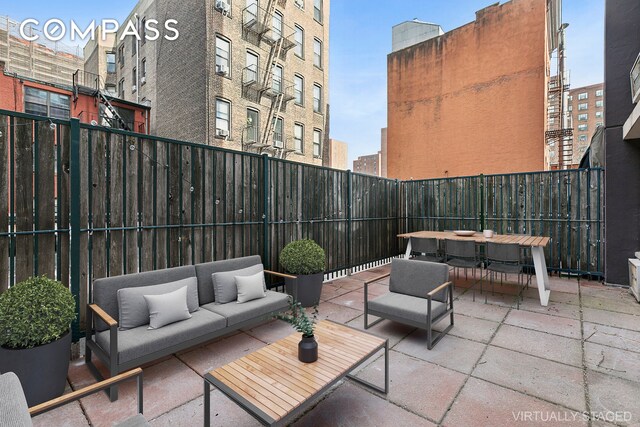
column 349, row 220
column 265, row 216
column 482, row 224
column 74, row 222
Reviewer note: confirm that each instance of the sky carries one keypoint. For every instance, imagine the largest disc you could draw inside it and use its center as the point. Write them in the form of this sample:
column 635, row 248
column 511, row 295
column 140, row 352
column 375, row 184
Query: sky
column 360, row 40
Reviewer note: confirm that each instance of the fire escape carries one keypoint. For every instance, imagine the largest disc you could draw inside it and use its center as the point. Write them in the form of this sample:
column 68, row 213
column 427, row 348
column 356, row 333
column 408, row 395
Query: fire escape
column 92, row 84
column 267, row 26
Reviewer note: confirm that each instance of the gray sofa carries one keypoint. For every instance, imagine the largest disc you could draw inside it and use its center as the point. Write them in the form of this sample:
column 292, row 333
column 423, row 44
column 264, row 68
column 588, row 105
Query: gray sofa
column 121, row 350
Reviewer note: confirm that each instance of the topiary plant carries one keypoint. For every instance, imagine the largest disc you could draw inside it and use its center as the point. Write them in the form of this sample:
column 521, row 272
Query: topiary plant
column 303, row 257
column 34, row 312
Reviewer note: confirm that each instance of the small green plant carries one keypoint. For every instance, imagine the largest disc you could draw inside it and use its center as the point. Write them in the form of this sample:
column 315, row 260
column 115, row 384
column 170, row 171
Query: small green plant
column 303, row 257
column 34, row 312
column 298, row 318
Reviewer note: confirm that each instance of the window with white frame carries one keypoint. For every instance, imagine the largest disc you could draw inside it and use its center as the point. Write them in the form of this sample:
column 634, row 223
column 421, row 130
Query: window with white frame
column 599, row 92
column 298, row 37
column 317, row 98
column 598, row 114
column 317, row 10
column 298, row 89
column 298, row 137
column 223, row 53
column 317, row 53
column 583, row 95
column 278, row 137
column 583, row 116
column 582, row 127
column 317, row 142
column 583, row 106
column 276, row 24
column 223, row 115
column 599, row 123
column 599, row 103
column 276, row 79
column 111, row 62
column 45, row 103
column 253, row 123
column 582, row 138
column 134, row 79
column 251, row 74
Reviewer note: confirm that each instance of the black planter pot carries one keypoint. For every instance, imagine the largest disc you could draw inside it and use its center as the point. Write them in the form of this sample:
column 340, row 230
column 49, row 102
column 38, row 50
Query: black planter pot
column 306, row 289
column 42, row 370
column 308, row 349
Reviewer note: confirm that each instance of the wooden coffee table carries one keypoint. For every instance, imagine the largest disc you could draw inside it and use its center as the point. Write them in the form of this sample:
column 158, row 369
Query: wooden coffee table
column 274, row 386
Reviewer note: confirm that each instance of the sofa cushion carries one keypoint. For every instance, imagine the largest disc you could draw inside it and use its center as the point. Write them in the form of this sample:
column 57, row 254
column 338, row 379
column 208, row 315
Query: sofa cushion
column 167, row 308
column 224, row 282
column 205, row 270
column 417, row 278
column 250, row 287
column 406, row 306
column 132, row 307
column 105, row 290
column 13, row 404
column 138, row 342
column 238, row 313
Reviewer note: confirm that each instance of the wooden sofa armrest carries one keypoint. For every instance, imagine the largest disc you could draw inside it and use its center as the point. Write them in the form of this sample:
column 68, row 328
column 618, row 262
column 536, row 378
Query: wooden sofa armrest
column 439, row 288
column 275, row 273
column 375, row 279
column 103, row 315
column 94, row 388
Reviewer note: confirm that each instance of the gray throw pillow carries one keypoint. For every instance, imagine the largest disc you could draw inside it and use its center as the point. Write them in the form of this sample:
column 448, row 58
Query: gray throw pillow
column 167, row 308
column 224, row 283
column 132, row 307
column 250, row 287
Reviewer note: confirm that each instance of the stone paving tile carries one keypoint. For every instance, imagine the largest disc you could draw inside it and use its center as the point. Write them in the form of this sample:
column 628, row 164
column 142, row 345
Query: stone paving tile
column 332, row 291
column 596, row 289
column 167, row 385
column 224, row 413
column 622, row 304
column 353, row 299
column 507, row 301
column 469, row 327
column 271, row 331
column 69, row 415
column 349, row 283
column 420, row 386
column 540, row 344
column 612, row 361
column 350, row 405
column 451, row 352
column 480, row 310
column 542, row 378
column 545, row 323
column 337, row 312
column 560, row 284
column 618, row 320
column 375, row 289
column 612, row 337
column 609, row 395
column 394, row 331
column 555, row 296
column 484, row 404
column 206, row 358
column 570, row 311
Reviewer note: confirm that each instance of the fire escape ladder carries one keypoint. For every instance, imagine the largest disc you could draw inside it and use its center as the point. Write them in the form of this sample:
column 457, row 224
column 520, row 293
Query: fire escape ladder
column 114, row 112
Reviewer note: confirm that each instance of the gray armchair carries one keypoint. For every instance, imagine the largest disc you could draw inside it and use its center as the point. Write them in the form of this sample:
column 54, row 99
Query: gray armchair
column 13, row 404
column 420, row 295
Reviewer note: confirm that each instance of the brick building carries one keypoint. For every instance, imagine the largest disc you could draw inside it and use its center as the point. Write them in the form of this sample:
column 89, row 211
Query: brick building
column 369, row 165
column 473, row 100
column 245, row 75
column 338, row 154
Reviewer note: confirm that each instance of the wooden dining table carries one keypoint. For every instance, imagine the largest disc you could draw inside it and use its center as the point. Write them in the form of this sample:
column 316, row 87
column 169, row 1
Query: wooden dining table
column 536, row 243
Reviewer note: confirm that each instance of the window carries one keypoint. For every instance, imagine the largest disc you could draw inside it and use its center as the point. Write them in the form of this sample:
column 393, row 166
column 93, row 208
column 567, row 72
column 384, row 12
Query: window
column 583, row 116
column 134, row 45
column 570, row 107
column 43, row 103
column 317, row 53
column 223, row 48
column 276, row 80
column 121, row 55
column 250, row 11
column 111, row 90
column 582, row 127
column 599, row 92
column 583, row 106
column 121, row 89
column 134, row 78
column 143, row 68
column 598, row 114
column 317, row 98
column 278, row 140
column 599, row 104
column 223, row 115
column 298, row 137
column 599, row 124
column 252, row 68
column 253, row 124
column 316, row 142
column 276, row 24
column 582, row 138
column 298, row 89
column 298, row 37
column 552, row 120
column 143, row 31
column 583, row 95
column 317, row 10
column 300, row 4
column 570, row 97
column 111, row 62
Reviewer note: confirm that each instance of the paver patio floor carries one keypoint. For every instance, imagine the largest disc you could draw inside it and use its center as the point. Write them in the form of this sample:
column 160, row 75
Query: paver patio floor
column 499, row 366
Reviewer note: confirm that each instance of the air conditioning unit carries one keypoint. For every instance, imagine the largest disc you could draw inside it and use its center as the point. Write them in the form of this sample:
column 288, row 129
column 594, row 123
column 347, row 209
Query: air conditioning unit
column 634, row 277
column 222, row 133
column 222, row 70
column 143, row 80
column 134, row 88
column 278, row 144
column 634, row 75
column 300, row 4
column 223, row 6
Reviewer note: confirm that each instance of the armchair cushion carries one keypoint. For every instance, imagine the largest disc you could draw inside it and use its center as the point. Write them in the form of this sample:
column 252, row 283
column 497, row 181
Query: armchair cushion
column 13, row 405
column 406, row 307
column 417, row 278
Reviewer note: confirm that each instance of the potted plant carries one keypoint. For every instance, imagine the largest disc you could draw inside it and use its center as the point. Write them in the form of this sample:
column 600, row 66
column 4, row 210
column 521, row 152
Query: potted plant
column 35, row 338
column 306, row 260
column 299, row 319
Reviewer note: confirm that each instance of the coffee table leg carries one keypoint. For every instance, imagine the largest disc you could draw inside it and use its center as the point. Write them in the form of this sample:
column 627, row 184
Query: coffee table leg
column 384, row 390
column 207, row 404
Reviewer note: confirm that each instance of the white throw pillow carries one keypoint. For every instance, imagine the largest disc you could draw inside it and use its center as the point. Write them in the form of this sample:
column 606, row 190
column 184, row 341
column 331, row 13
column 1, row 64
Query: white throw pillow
column 250, row 287
column 167, row 308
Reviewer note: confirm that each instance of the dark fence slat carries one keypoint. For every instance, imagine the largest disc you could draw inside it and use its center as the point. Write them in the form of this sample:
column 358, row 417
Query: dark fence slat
column 4, row 203
column 23, row 184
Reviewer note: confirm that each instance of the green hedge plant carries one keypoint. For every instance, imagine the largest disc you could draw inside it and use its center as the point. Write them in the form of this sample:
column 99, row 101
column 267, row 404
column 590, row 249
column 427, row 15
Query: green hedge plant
column 34, row 312
column 303, row 257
